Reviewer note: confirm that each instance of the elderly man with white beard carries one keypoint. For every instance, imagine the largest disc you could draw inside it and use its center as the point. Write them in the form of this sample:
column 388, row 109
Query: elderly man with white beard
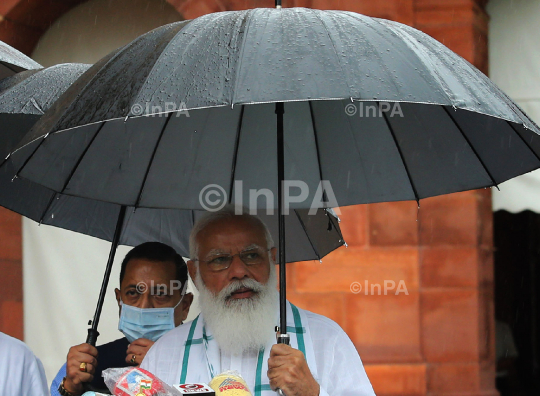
column 233, row 267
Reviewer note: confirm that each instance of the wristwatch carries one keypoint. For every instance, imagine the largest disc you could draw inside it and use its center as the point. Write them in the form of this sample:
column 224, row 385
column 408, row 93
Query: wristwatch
column 63, row 390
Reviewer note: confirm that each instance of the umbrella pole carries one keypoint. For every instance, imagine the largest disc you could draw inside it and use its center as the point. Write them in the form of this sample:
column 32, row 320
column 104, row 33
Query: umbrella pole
column 283, row 337
column 93, row 333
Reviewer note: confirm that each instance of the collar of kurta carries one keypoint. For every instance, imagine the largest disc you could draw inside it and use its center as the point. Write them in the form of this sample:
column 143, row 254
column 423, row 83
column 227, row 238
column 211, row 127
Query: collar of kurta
column 201, row 355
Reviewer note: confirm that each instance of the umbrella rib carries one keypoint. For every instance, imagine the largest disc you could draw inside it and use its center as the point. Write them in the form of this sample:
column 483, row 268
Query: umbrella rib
column 338, row 57
column 48, row 207
column 235, row 156
column 139, row 196
column 79, row 160
column 30, row 156
column 4, row 160
column 470, row 145
column 307, row 234
column 416, row 46
column 331, row 218
column 181, row 25
column 316, row 140
column 9, row 66
column 523, row 140
column 417, row 198
column 241, row 54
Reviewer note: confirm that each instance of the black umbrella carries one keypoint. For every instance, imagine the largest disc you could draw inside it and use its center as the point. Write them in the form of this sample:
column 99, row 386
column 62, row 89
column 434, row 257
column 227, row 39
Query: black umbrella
column 13, row 61
column 378, row 109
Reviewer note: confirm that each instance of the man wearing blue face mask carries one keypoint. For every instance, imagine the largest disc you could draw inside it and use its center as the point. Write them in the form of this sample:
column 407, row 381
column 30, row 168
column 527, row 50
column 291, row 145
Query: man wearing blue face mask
column 152, row 301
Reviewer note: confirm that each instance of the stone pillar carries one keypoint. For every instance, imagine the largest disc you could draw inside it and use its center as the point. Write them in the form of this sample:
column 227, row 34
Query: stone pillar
column 456, row 294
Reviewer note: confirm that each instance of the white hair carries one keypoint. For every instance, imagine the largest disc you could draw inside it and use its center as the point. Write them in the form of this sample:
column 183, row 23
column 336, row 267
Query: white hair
column 228, row 212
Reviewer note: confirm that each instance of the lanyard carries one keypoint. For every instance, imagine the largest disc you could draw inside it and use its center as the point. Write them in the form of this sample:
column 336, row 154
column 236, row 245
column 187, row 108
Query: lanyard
column 209, row 364
column 298, row 329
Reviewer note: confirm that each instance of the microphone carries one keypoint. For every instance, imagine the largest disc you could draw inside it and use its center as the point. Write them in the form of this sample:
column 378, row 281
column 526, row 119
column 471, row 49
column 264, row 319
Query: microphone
column 230, row 383
column 195, row 389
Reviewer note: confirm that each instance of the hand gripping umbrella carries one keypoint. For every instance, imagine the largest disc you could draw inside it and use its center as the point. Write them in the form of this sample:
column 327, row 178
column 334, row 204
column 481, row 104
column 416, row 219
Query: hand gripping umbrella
column 374, row 109
column 23, row 99
column 13, row 61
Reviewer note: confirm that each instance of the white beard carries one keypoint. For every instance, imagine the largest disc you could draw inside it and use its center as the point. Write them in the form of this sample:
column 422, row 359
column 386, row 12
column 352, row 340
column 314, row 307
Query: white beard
column 241, row 325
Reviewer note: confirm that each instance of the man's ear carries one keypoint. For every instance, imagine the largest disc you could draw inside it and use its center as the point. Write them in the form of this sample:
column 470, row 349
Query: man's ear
column 186, row 304
column 273, row 252
column 192, row 269
column 118, row 295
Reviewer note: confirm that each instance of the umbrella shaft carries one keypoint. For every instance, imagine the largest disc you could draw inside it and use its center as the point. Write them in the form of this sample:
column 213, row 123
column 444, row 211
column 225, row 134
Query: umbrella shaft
column 92, row 331
column 280, row 110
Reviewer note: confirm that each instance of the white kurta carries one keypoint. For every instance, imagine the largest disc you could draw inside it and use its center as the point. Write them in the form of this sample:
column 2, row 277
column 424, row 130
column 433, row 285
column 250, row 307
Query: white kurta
column 331, row 356
column 21, row 372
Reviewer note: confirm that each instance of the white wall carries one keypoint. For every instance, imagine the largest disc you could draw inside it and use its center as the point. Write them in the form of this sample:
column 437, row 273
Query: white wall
column 63, row 270
column 514, row 64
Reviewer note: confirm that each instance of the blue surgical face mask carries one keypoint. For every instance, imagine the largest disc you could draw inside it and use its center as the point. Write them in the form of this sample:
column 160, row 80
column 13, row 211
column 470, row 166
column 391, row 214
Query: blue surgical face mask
column 149, row 323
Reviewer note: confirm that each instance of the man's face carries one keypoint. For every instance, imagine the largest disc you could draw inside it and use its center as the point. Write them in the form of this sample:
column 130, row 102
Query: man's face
column 230, row 237
column 136, row 288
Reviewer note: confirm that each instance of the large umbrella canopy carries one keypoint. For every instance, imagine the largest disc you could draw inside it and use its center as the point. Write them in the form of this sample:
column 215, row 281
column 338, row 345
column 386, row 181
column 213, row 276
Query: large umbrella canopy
column 378, row 109
column 13, row 61
column 25, row 97
column 454, row 130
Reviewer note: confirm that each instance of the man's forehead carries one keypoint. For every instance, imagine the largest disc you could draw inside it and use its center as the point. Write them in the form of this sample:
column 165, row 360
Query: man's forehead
column 238, row 224
column 239, row 232
column 136, row 268
column 247, row 248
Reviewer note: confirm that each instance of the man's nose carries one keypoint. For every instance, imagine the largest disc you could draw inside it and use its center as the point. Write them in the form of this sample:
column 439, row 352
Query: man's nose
column 238, row 269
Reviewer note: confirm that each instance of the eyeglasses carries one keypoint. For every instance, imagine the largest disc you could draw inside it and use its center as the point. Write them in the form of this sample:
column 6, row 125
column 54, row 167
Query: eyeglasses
column 223, row 261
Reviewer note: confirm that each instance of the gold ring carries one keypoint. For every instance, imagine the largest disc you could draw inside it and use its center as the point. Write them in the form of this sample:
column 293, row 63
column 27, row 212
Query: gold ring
column 133, row 359
column 82, row 367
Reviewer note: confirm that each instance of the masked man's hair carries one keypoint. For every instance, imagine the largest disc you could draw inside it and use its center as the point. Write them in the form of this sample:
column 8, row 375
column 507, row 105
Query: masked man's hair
column 157, row 252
